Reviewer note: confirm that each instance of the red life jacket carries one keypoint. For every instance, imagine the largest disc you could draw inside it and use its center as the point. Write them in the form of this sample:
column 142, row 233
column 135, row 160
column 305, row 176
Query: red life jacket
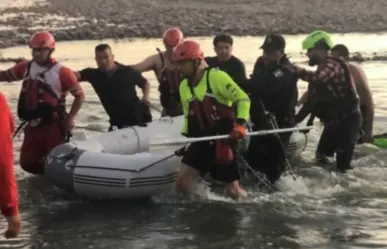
column 169, row 85
column 38, row 100
column 209, row 117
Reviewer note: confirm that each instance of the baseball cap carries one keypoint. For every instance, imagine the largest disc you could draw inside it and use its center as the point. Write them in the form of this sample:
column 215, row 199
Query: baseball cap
column 274, row 41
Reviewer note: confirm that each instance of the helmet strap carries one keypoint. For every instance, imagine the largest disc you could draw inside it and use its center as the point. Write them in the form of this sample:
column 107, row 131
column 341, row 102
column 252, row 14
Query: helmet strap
column 195, row 69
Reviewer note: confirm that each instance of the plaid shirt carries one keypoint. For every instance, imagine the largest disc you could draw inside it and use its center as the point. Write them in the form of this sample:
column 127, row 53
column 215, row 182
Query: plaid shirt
column 330, row 71
column 327, row 85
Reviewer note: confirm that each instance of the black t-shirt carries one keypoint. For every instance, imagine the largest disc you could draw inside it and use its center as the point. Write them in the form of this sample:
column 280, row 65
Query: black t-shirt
column 233, row 67
column 117, row 92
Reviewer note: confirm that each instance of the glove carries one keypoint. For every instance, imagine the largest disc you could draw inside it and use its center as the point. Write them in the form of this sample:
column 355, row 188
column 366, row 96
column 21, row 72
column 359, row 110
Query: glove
column 238, row 132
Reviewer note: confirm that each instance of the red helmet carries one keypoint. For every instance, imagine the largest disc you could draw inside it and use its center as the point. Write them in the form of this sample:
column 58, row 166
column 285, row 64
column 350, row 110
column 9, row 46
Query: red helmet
column 188, row 50
column 172, row 37
column 42, row 39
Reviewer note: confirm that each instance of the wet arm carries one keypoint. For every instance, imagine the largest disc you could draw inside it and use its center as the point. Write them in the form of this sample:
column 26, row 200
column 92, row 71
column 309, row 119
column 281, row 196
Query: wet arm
column 15, row 73
column 144, row 84
column 8, row 190
column 366, row 98
column 146, row 65
column 323, row 73
column 70, row 84
column 83, row 75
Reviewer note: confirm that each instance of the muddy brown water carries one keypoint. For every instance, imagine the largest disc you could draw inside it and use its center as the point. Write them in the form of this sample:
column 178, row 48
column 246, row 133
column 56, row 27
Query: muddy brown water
column 319, row 210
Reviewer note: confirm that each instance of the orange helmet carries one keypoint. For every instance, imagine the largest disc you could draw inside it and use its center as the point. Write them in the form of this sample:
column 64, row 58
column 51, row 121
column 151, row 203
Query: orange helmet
column 42, row 39
column 172, row 37
column 188, row 50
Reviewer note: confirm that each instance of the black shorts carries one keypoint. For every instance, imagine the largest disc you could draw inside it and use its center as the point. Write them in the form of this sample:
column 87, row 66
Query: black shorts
column 201, row 156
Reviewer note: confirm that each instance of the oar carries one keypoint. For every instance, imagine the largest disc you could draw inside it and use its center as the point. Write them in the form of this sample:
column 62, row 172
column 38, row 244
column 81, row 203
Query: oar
column 182, row 141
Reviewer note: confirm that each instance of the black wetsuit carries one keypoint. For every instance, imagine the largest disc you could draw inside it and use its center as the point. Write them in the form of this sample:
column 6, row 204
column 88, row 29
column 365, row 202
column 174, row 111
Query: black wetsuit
column 273, row 94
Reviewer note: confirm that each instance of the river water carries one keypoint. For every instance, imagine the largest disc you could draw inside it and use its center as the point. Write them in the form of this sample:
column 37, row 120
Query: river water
column 318, row 210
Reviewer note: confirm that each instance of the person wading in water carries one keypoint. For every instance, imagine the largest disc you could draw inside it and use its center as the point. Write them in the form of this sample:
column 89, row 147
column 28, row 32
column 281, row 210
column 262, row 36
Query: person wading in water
column 332, row 97
column 168, row 74
column 9, row 202
column 273, row 92
column 42, row 101
column 207, row 97
column 115, row 85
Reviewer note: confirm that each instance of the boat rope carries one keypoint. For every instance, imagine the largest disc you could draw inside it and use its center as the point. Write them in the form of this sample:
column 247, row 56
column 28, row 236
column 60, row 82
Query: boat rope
column 283, row 149
column 260, row 177
column 19, row 128
column 274, row 125
column 138, row 138
column 178, row 153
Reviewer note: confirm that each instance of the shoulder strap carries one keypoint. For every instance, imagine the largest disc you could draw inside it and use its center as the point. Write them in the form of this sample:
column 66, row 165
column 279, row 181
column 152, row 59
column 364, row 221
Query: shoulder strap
column 46, row 87
column 49, row 90
column 208, row 70
column 161, row 57
column 27, row 73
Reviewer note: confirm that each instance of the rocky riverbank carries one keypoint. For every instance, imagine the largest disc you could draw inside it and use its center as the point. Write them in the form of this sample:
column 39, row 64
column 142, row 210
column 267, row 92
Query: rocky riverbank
column 96, row 19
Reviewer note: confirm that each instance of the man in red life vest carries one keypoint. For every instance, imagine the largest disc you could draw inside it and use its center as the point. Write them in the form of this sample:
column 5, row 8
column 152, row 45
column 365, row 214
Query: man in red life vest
column 166, row 72
column 9, row 203
column 42, row 101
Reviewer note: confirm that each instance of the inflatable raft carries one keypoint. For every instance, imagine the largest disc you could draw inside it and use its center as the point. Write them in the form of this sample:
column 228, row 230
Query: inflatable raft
column 121, row 164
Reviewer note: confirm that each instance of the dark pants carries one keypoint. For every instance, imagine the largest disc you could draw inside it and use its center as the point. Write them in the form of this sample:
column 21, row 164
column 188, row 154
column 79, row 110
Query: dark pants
column 341, row 137
column 201, row 156
column 140, row 117
column 267, row 153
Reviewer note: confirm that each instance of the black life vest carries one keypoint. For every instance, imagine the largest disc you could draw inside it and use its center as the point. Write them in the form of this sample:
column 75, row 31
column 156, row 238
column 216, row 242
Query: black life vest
column 169, row 85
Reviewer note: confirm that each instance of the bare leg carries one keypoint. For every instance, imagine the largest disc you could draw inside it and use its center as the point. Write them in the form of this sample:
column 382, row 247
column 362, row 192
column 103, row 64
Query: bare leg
column 186, row 178
column 235, row 191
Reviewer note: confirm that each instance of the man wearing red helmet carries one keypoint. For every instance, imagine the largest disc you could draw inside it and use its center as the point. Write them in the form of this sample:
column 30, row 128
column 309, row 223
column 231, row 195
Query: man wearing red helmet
column 207, row 96
column 9, row 203
column 41, row 104
column 166, row 72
